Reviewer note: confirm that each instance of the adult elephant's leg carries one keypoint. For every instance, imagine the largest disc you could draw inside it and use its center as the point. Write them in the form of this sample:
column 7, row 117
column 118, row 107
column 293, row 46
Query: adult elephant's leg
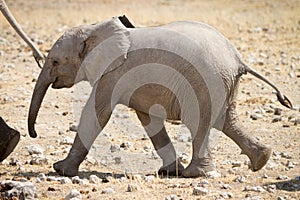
column 9, row 139
column 257, row 152
column 156, row 130
column 93, row 120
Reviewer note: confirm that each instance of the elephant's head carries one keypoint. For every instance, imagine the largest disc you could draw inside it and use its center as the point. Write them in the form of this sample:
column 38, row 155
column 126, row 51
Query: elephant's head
column 62, row 67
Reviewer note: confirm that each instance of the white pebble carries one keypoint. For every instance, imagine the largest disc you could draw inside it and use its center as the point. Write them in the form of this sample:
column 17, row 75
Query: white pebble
column 108, row 191
column 65, row 180
column 171, row 197
column 34, row 149
column 200, row 191
column 213, row 174
column 94, row 179
column 66, row 141
column 132, row 188
column 73, row 194
column 75, row 180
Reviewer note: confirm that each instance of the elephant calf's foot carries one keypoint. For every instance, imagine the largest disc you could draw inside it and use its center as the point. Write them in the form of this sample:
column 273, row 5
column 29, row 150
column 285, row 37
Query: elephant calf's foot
column 198, row 168
column 65, row 169
column 174, row 169
column 259, row 157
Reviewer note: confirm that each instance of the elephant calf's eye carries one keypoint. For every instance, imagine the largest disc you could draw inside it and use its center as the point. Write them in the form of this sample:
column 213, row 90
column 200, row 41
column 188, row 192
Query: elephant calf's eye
column 55, row 62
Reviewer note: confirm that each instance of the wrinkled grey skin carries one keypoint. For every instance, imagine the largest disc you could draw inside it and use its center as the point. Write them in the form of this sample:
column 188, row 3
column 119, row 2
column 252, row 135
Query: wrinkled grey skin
column 69, row 62
column 39, row 57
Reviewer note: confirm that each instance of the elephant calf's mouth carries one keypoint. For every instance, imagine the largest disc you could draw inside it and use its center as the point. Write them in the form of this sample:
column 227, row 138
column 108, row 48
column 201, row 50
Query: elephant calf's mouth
column 59, row 83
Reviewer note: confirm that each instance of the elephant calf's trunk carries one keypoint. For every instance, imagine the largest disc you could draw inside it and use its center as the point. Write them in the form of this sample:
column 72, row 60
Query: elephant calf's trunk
column 36, row 101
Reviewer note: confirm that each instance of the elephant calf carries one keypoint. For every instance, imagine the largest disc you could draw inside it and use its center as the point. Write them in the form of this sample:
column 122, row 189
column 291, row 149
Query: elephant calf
column 180, row 71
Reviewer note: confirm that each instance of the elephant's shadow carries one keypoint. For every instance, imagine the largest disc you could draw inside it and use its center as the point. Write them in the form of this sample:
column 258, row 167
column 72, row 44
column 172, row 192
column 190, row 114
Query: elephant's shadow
column 291, row 185
column 85, row 175
column 82, row 175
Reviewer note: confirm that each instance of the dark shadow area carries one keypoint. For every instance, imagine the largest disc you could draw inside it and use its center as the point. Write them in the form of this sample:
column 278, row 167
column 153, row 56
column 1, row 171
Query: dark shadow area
column 287, row 185
column 30, row 175
column 102, row 175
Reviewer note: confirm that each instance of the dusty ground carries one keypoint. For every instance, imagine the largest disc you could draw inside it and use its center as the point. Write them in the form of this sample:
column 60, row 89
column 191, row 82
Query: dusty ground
column 267, row 33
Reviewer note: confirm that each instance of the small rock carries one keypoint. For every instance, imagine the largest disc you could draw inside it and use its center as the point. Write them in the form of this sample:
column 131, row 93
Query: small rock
column 83, row 181
column 118, row 160
column 184, row 158
column 290, row 165
column 38, row 180
column 73, row 195
column 65, row 180
column 241, row 179
column 131, row 188
column 149, row 178
column 256, row 116
column 114, row 148
column 226, row 186
column 200, row 191
column 250, row 197
column 75, row 180
column 3, row 41
column 73, row 127
column 184, row 138
column 171, row 197
column 203, row 182
column 39, row 160
column 285, row 155
column 42, row 177
column 236, row 164
column 66, row 141
column 213, row 174
column 276, row 119
column 277, row 111
column 108, row 191
column 291, row 74
column 271, row 188
column 148, row 148
column 254, row 188
column 4, row 162
column 94, row 179
column 52, row 178
column 271, row 166
column 60, row 132
column 265, row 176
column 226, row 195
column 154, row 154
column 282, row 177
column 34, row 149
column 126, row 145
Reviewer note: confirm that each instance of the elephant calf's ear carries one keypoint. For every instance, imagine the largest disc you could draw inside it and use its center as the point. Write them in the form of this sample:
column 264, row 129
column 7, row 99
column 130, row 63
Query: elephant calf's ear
column 84, row 47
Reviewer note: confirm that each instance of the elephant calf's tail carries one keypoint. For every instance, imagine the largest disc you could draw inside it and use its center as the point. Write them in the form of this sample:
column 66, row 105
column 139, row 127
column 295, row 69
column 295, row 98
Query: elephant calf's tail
column 281, row 98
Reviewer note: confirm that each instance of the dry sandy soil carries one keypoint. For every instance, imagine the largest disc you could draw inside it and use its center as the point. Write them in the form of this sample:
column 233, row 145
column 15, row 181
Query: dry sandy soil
column 267, row 34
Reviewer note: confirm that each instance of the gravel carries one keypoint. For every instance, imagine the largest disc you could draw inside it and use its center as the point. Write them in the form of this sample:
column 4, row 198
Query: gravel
column 20, row 190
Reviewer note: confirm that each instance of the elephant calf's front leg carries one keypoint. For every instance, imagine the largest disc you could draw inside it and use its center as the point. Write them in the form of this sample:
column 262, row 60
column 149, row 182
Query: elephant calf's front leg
column 69, row 166
column 89, row 128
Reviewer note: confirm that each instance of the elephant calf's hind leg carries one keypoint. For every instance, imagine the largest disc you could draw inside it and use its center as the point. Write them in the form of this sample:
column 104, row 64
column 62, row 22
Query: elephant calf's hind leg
column 257, row 152
column 156, row 130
